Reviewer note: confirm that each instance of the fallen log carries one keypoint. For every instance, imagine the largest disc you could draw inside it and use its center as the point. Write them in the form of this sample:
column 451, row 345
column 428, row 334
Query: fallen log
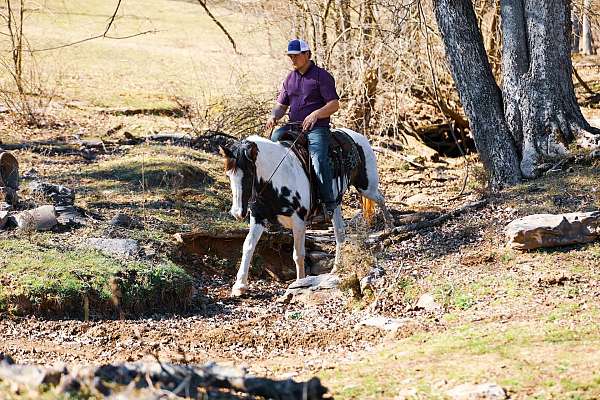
column 130, row 380
column 412, row 229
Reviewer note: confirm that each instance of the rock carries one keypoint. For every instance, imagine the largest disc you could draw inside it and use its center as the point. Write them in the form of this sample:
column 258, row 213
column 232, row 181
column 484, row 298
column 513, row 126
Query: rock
column 3, row 218
column 5, row 206
column 325, row 281
column 304, row 289
column 417, row 199
column 116, row 247
column 549, row 230
column 319, row 262
column 70, row 216
column 371, row 280
column 31, row 173
column 392, row 325
column 39, row 219
column 58, row 194
column 483, row 391
column 122, row 220
column 427, row 302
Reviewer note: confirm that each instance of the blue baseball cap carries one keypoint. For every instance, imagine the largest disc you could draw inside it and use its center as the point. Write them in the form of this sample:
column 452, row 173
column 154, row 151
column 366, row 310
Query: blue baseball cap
column 297, row 46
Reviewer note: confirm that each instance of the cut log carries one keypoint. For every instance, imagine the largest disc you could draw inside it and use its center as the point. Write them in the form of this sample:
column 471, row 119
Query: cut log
column 549, row 230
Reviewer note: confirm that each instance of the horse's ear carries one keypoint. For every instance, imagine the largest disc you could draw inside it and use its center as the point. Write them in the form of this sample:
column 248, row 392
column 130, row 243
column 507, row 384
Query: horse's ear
column 225, row 152
column 252, row 152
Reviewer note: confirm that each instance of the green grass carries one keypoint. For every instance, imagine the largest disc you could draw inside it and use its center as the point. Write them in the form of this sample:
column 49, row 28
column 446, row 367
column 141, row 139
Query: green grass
column 520, row 357
column 41, row 279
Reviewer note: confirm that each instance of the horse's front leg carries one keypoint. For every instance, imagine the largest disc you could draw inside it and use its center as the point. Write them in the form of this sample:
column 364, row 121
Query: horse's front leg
column 299, row 231
column 241, row 282
column 340, row 237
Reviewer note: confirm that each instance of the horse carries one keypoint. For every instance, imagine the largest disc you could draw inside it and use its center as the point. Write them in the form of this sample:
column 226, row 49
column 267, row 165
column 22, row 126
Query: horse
column 269, row 183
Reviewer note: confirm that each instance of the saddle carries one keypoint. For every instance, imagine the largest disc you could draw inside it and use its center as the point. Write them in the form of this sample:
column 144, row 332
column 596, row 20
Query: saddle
column 343, row 155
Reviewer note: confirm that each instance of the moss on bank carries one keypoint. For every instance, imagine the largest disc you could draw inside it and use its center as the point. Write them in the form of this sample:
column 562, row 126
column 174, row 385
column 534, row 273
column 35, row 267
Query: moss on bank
column 37, row 278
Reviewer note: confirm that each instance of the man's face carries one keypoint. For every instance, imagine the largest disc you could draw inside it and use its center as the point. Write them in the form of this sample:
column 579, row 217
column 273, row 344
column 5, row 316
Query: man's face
column 299, row 60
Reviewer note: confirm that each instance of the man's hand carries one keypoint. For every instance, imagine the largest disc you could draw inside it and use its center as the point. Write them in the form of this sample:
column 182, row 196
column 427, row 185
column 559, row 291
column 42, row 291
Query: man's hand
column 310, row 121
column 270, row 125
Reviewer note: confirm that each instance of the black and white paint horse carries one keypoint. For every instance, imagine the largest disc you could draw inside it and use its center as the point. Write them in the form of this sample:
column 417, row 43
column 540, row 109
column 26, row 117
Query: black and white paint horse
column 285, row 198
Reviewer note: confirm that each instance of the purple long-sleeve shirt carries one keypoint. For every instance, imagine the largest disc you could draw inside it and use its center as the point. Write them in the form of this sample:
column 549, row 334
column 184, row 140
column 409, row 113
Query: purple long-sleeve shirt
column 305, row 93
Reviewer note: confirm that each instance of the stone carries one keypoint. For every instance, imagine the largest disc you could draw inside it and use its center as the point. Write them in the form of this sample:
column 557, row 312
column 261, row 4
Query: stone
column 325, row 281
column 392, row 325
column 122, row 220
column 427, row 302
column 550, row 230
column 58, row 194
column 372, row 279
column 483, row 391
column 38, row 219
column 417, row 199
column 3, row 218
column 305, row 288
column 319, row 262
column 115, row 247
column 70, row 216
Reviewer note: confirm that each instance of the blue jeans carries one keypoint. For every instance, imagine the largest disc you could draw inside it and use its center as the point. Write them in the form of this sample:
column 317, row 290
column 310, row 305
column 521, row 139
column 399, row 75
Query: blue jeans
column 318, row 147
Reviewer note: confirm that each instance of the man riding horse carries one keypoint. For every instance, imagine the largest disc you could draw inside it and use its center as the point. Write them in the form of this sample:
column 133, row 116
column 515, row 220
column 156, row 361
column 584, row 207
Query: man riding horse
column 309, row 93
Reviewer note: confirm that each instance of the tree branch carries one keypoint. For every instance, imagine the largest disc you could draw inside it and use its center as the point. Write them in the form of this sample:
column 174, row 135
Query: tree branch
column 216, row 21
column 103, row 35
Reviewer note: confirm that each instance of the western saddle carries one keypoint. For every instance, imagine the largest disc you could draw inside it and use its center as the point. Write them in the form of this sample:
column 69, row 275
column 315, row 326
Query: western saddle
column 343, row 155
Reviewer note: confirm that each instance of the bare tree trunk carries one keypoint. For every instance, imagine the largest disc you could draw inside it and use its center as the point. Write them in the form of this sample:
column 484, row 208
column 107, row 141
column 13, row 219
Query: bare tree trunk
column 576, row 31
column 586, row 30
column 478, row 91
column 541, row 109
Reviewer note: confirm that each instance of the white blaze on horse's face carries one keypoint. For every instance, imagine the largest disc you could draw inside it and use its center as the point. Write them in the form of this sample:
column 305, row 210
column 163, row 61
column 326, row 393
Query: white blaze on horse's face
column 236, row 176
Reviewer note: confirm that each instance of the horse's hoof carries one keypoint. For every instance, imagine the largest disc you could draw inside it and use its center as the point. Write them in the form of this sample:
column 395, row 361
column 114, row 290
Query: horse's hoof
column 238, row 290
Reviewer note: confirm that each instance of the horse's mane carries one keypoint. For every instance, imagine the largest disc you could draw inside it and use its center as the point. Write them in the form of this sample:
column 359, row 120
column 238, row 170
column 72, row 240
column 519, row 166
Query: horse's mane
column 271, row 153
column 264, row 143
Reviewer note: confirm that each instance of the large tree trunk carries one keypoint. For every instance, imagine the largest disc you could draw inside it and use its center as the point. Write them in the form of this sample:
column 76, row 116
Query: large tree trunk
column 478, row 91
column 537, row 115
column 540, row 104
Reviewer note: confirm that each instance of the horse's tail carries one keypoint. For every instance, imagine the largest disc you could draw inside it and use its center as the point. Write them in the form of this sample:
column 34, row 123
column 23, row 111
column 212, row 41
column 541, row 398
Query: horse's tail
column 368, row 208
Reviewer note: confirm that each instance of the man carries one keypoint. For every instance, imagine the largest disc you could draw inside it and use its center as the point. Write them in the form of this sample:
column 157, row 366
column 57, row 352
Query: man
column 309, row 92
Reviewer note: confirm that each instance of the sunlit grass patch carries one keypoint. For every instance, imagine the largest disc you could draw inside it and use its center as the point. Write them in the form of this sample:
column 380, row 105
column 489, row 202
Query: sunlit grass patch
column 185, row 55
column 41, row 278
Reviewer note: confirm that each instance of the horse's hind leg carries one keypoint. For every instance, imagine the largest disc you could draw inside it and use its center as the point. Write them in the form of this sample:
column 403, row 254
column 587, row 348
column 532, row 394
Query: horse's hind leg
column 252, row 238
column 378, row 198
column 340, row 237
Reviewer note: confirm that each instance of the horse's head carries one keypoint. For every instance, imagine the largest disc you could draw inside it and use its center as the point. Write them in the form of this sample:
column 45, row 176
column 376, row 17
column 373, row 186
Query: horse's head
column 240, row 166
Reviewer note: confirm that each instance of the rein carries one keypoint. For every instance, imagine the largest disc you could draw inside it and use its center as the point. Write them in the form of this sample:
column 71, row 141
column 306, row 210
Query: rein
column 256, row 195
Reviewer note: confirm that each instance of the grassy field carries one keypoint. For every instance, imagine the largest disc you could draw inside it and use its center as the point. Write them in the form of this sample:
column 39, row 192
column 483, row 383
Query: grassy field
column 186, row 55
